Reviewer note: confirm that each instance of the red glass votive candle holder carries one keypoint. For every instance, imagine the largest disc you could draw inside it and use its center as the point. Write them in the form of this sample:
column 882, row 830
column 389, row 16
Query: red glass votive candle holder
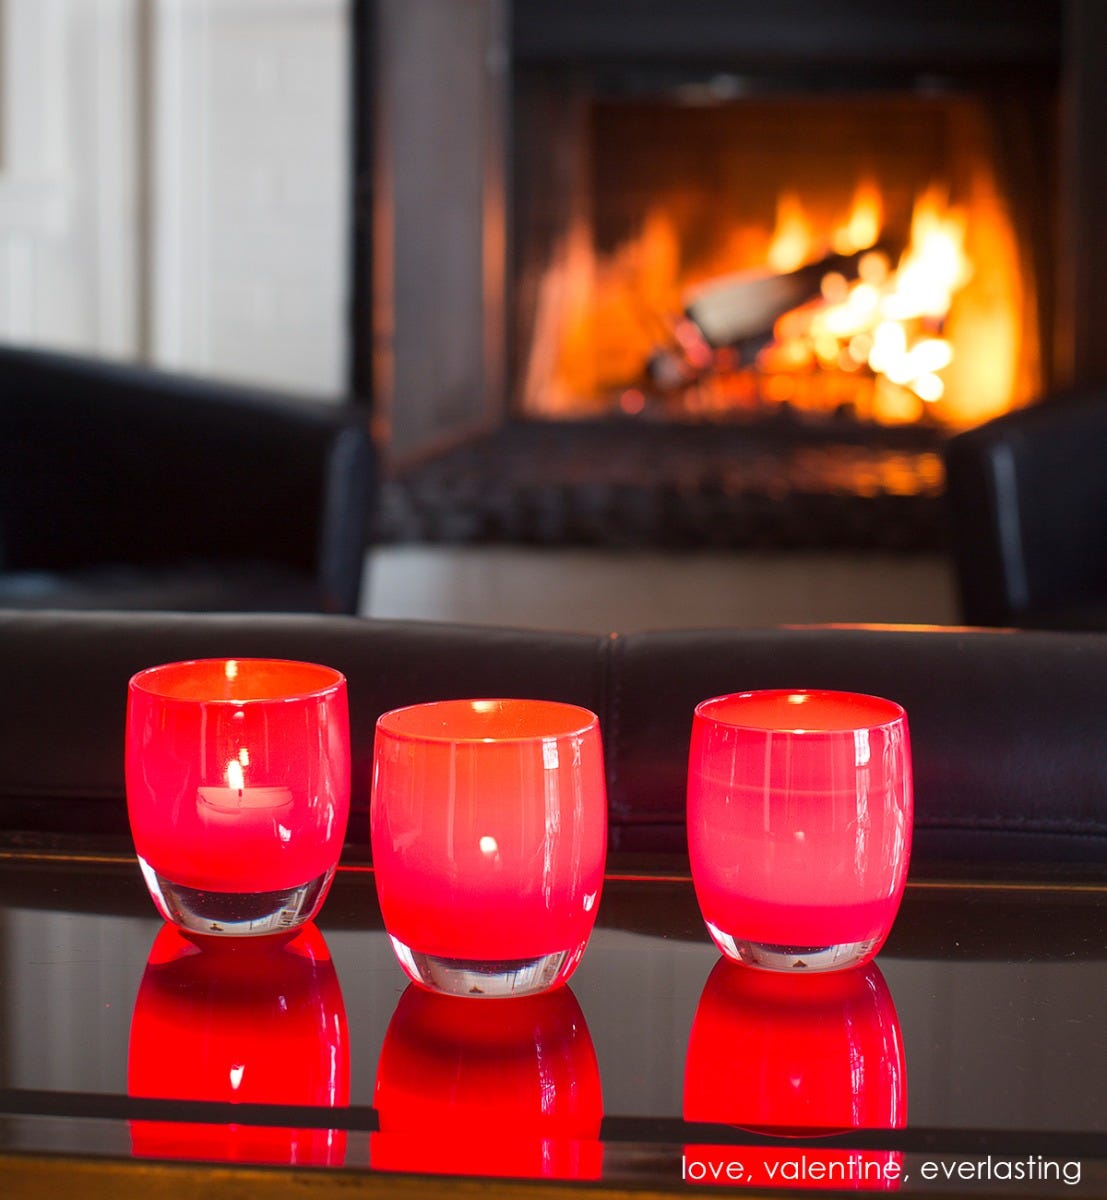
column 509, row 1089
column 489, row 832
column 800, row 810
column 240, row 1022
column 238, row 790
column 796, row 1058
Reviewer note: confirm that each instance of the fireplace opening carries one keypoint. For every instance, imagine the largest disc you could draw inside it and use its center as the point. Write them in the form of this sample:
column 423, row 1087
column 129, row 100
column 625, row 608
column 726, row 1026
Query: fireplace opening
column 708, row 257
column 713, row 277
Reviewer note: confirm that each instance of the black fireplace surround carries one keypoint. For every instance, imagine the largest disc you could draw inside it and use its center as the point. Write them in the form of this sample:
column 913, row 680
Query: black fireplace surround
column 465, row 465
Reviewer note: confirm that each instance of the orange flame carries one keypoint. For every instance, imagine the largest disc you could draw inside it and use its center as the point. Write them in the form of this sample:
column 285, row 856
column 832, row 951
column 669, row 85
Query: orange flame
column 939, row 331
column 864, row 223
column 881, row 320
column 793, row 238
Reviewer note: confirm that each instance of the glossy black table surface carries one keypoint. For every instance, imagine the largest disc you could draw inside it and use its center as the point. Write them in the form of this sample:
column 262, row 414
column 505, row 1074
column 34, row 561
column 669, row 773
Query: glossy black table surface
column 971, row 1060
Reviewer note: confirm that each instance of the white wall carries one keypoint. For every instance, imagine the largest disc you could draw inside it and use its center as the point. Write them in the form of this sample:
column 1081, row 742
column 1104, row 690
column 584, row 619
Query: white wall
column 251, row 146
column 174, row 183
column 68, row 174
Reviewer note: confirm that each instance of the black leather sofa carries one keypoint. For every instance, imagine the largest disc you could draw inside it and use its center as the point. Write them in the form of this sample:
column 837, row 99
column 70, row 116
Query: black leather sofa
column 1027, row 500
column 123, row 487
column 1007, row 728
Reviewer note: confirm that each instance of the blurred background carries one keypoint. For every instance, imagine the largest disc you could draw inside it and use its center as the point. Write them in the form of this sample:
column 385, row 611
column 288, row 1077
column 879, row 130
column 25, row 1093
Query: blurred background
column 596, row 274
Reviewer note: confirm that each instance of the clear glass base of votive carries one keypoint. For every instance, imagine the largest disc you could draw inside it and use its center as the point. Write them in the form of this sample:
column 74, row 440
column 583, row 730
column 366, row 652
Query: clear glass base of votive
column 769, row 957
column 496, row 978
column 235, row 914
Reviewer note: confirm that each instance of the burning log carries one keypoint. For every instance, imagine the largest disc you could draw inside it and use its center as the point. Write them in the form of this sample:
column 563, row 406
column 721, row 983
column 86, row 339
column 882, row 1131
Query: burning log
column 744, row 307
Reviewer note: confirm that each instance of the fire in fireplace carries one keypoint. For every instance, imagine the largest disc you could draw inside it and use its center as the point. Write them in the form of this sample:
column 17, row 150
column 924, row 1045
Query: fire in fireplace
column 721, row 273
column 724, row 257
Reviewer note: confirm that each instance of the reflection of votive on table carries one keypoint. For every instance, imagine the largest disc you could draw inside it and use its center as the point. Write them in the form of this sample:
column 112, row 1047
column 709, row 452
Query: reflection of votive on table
column 251, row 1022
column 796, row 1056
column 503, row 1088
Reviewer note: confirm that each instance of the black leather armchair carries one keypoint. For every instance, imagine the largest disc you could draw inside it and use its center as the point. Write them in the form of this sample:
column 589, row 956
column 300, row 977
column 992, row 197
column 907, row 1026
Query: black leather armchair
column 1027, row 499
column 123, row 487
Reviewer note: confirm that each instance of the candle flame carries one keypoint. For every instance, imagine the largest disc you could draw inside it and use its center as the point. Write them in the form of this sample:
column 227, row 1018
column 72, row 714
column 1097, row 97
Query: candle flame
column 236, row 777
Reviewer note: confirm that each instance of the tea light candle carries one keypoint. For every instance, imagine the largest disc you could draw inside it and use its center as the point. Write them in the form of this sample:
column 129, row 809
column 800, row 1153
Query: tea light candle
column 236, row 802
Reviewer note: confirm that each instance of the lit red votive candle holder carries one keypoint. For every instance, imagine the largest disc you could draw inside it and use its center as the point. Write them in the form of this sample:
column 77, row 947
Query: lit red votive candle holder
column 489, row 833
column 238, row 790
column 800, row 809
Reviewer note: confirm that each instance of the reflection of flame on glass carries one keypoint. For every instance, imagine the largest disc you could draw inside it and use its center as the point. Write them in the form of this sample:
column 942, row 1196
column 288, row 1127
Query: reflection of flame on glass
column 795, row 1057
column 243, row 1022
column 502, row 1088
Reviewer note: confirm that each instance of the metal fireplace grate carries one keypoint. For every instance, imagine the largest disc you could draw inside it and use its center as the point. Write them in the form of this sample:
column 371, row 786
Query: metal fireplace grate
column 612, row 483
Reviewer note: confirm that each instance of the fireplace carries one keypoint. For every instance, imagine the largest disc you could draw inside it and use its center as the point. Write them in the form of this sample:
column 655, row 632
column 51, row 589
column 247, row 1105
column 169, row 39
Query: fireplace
column 715, row 251
column 733, row 259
